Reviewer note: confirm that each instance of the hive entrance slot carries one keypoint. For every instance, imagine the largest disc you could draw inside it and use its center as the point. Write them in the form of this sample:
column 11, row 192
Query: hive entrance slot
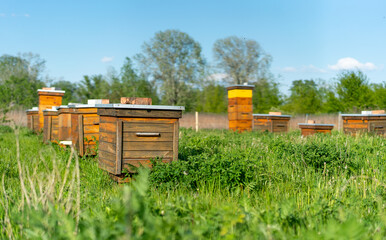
column 148, row 134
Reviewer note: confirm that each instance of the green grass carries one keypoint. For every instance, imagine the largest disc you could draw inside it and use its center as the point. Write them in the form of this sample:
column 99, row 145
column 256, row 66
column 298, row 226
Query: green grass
column 224, row 186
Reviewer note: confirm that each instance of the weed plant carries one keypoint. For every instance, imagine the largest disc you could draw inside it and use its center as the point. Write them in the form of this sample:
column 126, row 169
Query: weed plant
column 225, row 186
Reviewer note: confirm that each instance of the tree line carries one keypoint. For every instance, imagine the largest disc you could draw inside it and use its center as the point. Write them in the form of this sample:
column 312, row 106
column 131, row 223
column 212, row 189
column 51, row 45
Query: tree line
column 172, row 70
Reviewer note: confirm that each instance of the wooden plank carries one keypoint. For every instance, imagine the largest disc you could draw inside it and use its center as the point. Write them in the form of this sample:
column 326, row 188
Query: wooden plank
column 107, row 147
column 80, row 136
column 107, row 137
column 239, row 116
column 132, row 146
column 119, row 150
column 176, row 135
column 147, row 154
column 150, row 120
column 108, row 127
column 106, row 119
column 140, row 162
column 142, row 113
column 90, row 137
column 147, row 127
column 240, row 108
column 49, row 128
column 90, row 120
column 240, row 101
column 90, row 128
column 132, row 137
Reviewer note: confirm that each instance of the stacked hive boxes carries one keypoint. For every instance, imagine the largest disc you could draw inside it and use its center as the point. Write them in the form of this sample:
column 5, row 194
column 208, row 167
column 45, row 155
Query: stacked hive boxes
column 48, row 98
column 240, row 107
column 51, row 125
column 64, row 117
column 311, row 128
column 272, row 122
column 368, row 121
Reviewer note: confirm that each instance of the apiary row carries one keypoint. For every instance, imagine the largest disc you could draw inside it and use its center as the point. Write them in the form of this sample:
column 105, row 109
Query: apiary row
column 241, row 117
column 128, row 134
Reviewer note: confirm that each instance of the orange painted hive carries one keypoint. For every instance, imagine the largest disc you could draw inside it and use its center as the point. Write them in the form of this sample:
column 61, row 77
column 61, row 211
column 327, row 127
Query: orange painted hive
column 84, row 128
column 240, row 107
column 33, row 119
column 51, row 125
column 131, row 135
column 364, row 123
column 312, row 128
column 271, row 123
column 64, row 116
column 48, row 98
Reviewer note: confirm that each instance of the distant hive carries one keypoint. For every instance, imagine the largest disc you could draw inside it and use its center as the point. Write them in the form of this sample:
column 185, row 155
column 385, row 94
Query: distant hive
column 311, row 128
column 51, row 125
column 48, row 98
column 272, row 122
column 85, row 126
column 131, row 135
column 240, row 107
column 368, row 121
column 33, row 119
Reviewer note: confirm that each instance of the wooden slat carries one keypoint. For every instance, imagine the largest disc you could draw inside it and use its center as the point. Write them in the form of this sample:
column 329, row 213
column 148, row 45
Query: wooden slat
column 239, row 116
column 107, row 147
column 119, row 149
column 108, row 127
column 90, row 128
column 176, row 133
column 139, row 162
column 132, row 137
column 140, row 113
column 80, row 136
column 132, row 146
column 107, row 137
column 147, row 127
column 106, row 119
column 146, row 154
column 90, row 120
column 91, row 136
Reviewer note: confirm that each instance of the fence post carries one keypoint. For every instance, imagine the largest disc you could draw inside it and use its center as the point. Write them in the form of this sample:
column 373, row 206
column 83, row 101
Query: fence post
column 339, row 124
column 196, row 121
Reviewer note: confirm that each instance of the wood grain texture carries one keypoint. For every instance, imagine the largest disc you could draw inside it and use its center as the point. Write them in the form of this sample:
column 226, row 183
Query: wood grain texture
column 136, row 100
column 80, row 135
column 119, row 148
column 139, row 113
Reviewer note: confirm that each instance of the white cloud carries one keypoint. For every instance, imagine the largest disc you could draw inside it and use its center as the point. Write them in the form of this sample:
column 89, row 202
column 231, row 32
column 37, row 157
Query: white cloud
column 289, row 69
column 107, row 59
column 351, row 63
column 218, row 76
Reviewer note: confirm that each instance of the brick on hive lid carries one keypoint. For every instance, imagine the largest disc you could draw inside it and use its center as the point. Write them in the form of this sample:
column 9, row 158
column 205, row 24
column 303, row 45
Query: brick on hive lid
column 49, row 88
column 378, row 112
column 274, row 113
column 136, row 100
column 311, row 121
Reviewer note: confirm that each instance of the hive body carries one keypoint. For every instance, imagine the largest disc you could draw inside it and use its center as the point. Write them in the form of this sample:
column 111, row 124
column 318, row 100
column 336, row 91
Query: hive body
column 240, row 107
column 33, row 119
column 50, row 126
column 47, row 100
column 64, row 116
column 271, row 123
column 310, row 129
column 364, row 123
column 131, row 135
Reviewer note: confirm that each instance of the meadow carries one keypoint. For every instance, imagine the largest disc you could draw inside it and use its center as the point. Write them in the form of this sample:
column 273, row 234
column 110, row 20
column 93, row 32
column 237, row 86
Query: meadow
column 225, row 186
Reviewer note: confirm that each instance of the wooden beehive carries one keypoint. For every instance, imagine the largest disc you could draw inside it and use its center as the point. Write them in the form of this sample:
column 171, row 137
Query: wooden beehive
column 364, row 123
column 240, row 107
column 33, row 119
column 134, row 134
column 312, row 128
column 48, row 98
column 271, row 122
column 51, row 125
column 64, row 117
column 84, row 128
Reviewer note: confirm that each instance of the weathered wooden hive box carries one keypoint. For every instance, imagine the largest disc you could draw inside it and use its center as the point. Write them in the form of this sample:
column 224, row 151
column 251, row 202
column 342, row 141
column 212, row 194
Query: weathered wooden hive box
column 240, row 107
column 363, row 123
column 312, row 128
column 33, row 119
column 51, row 125
column 64, row 116
column 84, row 127
column 48, row 98
column 271, row 122
column 134, row 134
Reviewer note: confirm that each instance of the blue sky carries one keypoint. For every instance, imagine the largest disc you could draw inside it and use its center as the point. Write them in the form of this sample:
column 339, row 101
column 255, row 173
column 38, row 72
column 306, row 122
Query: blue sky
column 306, row 39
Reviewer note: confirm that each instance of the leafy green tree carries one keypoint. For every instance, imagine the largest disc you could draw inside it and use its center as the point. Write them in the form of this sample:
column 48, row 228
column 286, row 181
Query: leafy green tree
column 380, row 95
column 266, row 96
column 305, row 97
column 94, row 87
column 173, row 59
column 242, row 59
column 212, row 99
column 354, row 91
column 129, row 84
column 71, row 91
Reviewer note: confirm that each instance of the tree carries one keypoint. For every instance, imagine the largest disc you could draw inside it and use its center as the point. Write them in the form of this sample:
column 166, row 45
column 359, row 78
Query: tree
column 212, row 98
column 266, row 96
column 305, row 97
column 129, row 84
column 71, row 91
column 242, row 59
column 172, row 59
column 94, row 87
column 380, row 95
column 354, row 91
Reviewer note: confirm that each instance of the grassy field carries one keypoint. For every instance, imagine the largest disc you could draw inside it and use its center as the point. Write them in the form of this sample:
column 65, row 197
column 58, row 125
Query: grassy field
column 224, row 186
